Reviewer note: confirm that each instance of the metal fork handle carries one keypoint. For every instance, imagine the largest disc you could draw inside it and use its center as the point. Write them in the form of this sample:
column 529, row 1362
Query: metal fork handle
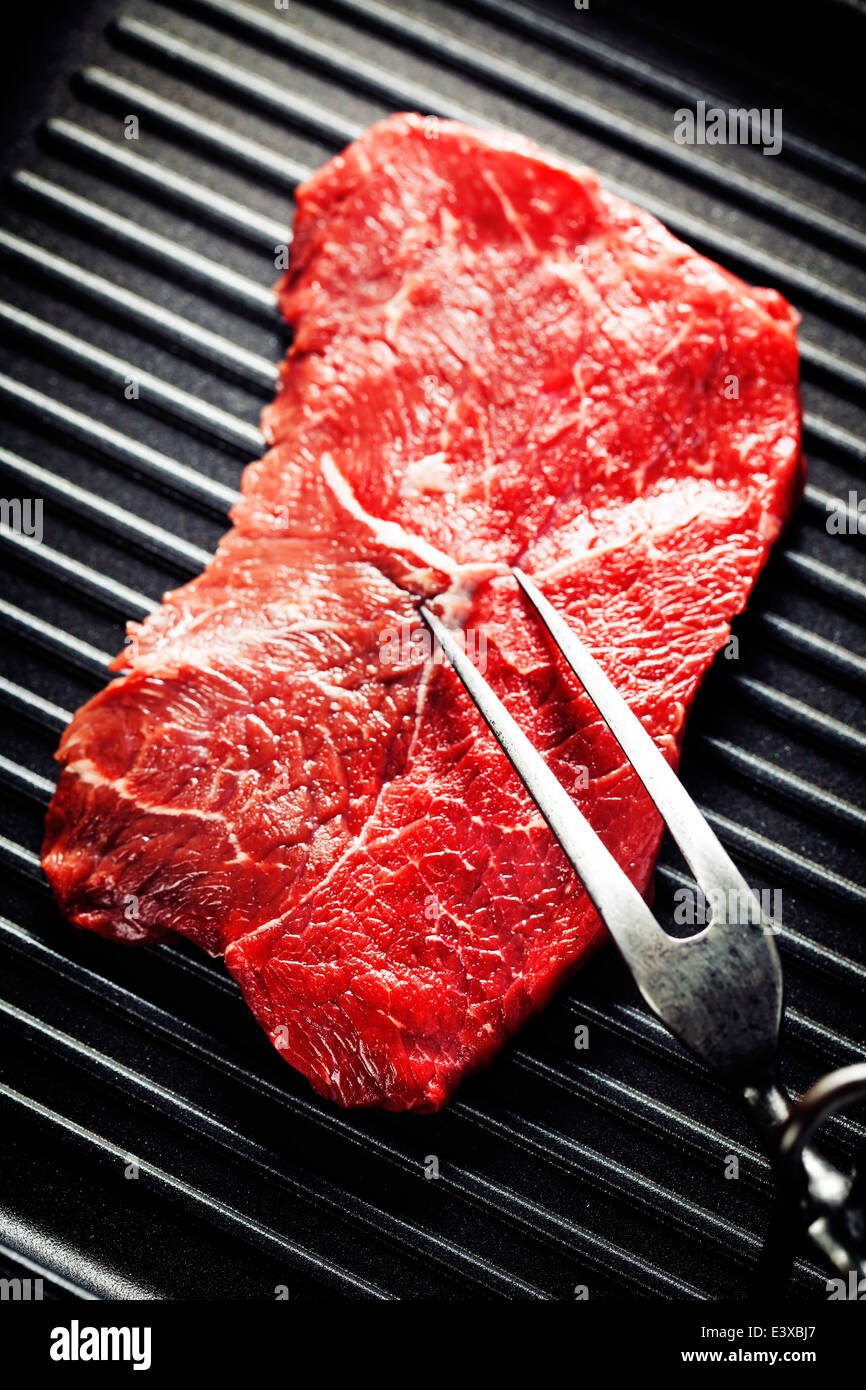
column 836, row 1225
column 681, row 980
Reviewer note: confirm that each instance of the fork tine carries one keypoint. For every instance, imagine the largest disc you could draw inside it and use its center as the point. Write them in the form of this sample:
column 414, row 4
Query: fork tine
column 617, row 901
column 710, row 863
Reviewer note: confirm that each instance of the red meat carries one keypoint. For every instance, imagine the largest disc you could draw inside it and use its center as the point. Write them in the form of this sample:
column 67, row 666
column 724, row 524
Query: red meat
column 494, row 360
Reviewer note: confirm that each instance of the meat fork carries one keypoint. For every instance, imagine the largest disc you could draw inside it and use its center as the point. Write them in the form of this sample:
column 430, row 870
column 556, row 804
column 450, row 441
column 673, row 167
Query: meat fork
column 720, row 990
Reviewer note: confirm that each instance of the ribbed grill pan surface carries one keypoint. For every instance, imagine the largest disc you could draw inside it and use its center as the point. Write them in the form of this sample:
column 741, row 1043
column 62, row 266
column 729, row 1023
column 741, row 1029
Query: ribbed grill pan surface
column 153, row 1144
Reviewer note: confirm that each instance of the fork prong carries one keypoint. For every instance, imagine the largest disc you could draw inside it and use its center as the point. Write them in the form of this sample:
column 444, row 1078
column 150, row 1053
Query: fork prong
column 612, row 892
column 720, row 992
column 715, row 871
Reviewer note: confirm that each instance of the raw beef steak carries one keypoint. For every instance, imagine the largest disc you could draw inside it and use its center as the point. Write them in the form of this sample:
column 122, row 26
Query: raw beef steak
column 494, row 360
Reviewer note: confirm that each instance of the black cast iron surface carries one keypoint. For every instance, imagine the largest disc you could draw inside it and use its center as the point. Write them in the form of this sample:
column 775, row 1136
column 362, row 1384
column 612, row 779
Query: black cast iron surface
column 152, row 1144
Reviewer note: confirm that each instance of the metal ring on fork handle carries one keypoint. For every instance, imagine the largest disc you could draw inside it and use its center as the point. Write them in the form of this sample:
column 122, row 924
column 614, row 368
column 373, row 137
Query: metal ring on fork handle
column 829, row 1094
column 831, row 1202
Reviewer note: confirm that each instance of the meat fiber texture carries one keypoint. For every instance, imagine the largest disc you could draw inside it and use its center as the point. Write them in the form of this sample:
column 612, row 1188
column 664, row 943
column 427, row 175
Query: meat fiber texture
column 494, row 360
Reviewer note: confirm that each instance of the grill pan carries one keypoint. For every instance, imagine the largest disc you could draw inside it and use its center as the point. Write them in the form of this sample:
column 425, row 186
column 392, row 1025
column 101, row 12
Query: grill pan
column 153, row 1145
